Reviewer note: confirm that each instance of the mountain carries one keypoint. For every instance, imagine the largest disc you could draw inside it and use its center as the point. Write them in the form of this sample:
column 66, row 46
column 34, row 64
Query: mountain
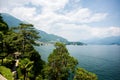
column 11, row 20
column 104, row 41
column 45, row 37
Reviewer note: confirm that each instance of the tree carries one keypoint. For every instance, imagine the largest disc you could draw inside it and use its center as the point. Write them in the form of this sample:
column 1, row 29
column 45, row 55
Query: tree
column 3, row 25
column 26, row 67
column 3, row 31
column 1, row 47
column 37, row 65
column 60, row 63
column 12, row 42
column 27, row 35
column 62, row 66
column 22, row 39
column 82, row 74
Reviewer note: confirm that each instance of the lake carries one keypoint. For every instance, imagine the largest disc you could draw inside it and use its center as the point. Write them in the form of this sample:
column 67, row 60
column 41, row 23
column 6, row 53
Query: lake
column 103, row 60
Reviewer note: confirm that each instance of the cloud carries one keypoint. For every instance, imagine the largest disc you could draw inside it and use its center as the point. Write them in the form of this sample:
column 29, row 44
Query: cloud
column 24, row 12
column 85, row 15
column 83, row 32
column 73, row 25
column 106, row 31
column 50, row 5
column 81, row 15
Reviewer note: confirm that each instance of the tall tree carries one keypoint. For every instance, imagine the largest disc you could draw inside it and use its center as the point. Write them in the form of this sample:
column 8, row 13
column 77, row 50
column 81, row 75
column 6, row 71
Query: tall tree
column 27, row 35
column 60, row 63
column 3, row 31
column 3, row 25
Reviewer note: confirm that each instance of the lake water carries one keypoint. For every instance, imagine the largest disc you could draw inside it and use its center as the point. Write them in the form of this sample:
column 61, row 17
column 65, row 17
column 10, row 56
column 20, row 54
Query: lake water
column 103, row 60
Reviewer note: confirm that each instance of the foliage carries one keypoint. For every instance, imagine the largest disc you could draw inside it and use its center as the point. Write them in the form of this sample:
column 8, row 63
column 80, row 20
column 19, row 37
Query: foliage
column 60, row 63
column 37, row 65
column 39, row 77
column 26, row 39
column 21, row 39
column 25, row 66
column 3, row 25
column 12, row 42
column 3, row 31
column 31, row 67
column 9, row 63
column 28, row 33
column 62, row 66
column 82, row 74
column 6, row 73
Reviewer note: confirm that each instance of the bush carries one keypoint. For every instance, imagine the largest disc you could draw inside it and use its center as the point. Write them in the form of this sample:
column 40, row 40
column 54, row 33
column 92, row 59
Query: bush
column 82, row 74
column 6, row 72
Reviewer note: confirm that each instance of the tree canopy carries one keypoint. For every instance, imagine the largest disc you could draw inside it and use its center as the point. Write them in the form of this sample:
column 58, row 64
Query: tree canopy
column 3, row 25
column 82, row 74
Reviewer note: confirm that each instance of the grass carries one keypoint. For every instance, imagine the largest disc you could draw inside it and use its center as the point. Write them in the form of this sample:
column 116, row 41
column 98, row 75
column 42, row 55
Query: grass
column 6, row 72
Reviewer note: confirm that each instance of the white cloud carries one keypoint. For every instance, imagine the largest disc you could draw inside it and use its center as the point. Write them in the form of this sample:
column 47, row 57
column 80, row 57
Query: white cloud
column 85, row 15
column 12, row 3
column 61, row 24
column 98, row 17
column 50, row 5
column 75, row 32
column 105, row 31
column 25, row 13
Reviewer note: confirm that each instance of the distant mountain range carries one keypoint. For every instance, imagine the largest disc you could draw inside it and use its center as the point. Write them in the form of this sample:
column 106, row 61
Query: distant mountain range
column 45, row 37
column 113, row 40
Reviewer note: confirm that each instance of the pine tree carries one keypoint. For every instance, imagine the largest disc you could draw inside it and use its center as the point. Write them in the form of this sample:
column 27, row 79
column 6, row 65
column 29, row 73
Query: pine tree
column 3, row 31
column 60, row 63
column 3, row 25
column 26, row 35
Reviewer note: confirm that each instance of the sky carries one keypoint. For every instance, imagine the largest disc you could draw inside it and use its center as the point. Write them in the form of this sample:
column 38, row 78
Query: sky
column 74, row 20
